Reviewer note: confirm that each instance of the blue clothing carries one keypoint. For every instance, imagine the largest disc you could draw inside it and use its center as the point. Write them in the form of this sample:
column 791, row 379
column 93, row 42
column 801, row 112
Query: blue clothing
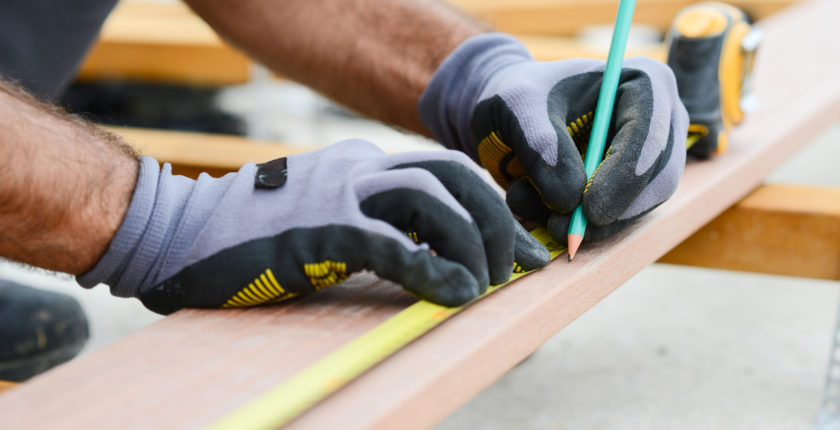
column 42, row 42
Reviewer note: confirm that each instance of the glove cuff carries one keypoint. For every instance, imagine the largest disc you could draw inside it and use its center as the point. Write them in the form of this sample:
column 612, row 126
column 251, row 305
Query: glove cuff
column 124, row 243
column 447, row 104
column 145, row 237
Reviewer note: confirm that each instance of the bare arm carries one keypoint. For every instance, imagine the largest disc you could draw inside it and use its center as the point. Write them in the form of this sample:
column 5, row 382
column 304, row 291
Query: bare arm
column 374, row 56
column 64, row 185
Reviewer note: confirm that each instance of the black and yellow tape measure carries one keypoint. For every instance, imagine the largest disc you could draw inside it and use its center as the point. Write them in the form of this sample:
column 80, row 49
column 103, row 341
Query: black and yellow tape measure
column 711, row 49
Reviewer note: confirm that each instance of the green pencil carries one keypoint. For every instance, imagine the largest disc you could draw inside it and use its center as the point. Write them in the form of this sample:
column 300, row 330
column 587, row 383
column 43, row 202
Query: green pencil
column 603, row 113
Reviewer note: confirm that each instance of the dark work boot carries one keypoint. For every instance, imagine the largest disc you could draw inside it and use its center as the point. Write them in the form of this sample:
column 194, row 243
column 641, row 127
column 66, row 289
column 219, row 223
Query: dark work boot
column 38, row 330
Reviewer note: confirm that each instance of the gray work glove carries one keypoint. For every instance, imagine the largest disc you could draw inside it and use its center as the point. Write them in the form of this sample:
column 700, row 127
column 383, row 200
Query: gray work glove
column 528, row 123
column 298, row 224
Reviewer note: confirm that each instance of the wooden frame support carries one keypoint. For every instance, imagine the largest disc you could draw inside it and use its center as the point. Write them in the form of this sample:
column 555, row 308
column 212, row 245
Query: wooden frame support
column 777, row 229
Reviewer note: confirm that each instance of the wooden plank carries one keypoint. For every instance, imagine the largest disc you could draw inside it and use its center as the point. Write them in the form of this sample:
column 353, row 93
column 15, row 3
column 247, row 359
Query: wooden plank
column 162, row 42
column 569, row 17
column 167, row 42
column 550, row 48
column 777, row 229
column 6, row 385
column 197, row 365
column 193, row 153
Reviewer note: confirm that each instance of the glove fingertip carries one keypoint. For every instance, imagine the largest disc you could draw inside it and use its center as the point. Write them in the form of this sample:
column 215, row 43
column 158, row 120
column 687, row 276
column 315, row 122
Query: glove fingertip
column 560, row 187
column 609, row 192
column 458, row 288
column 524, row 200
column 598, row 211
column 164, row 298
column 558, row 228
column 530, row 254
column 500, row 273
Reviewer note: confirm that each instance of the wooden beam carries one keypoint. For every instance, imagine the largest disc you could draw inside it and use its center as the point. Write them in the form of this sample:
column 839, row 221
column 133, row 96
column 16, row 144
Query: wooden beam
column 569, row 17
column 194, row 153
column 550, row 48
column 162, row 42
column 167, row 42
column 198, row 365
column 778, row 229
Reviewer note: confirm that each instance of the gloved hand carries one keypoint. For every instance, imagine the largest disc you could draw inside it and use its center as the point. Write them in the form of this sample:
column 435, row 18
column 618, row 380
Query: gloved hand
column 295, row 225
column 528, row 123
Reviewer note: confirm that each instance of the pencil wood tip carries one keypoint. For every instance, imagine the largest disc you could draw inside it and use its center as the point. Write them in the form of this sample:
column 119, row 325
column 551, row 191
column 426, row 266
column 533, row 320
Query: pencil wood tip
column 574, row 244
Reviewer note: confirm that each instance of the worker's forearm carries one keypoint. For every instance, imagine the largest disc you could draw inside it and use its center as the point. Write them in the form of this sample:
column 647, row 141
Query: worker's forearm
column 374, row 56
column 64, row 185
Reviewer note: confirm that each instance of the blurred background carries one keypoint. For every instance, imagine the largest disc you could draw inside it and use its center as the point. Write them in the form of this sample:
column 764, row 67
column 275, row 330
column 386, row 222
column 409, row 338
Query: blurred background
column 675, row 347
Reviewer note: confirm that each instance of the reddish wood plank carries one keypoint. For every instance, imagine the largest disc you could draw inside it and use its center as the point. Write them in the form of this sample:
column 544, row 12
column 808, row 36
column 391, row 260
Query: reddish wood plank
column 191, row 368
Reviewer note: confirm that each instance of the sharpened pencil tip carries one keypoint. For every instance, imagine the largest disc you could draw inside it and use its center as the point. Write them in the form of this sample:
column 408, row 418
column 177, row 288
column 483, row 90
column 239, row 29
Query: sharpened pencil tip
column 574, row 244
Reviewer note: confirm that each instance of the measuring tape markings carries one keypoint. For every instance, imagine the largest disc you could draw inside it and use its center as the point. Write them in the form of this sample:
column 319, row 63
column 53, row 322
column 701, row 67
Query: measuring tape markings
column 295, row 395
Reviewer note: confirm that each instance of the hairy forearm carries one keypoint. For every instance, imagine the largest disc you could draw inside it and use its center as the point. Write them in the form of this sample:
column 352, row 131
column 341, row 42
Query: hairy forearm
column 64, row 185
column 374, row 56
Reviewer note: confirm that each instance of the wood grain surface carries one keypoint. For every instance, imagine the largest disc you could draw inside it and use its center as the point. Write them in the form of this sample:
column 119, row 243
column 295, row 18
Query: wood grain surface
column 197, row 365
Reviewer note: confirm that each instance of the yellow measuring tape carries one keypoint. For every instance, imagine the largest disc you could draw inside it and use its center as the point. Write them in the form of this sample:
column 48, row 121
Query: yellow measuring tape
column 295, row 395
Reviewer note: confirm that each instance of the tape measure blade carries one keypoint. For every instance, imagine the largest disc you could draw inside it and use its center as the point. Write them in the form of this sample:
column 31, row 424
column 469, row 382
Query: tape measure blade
column 297, row 394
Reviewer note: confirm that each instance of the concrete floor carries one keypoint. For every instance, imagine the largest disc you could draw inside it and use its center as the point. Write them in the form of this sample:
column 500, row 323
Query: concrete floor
column 673, row 348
